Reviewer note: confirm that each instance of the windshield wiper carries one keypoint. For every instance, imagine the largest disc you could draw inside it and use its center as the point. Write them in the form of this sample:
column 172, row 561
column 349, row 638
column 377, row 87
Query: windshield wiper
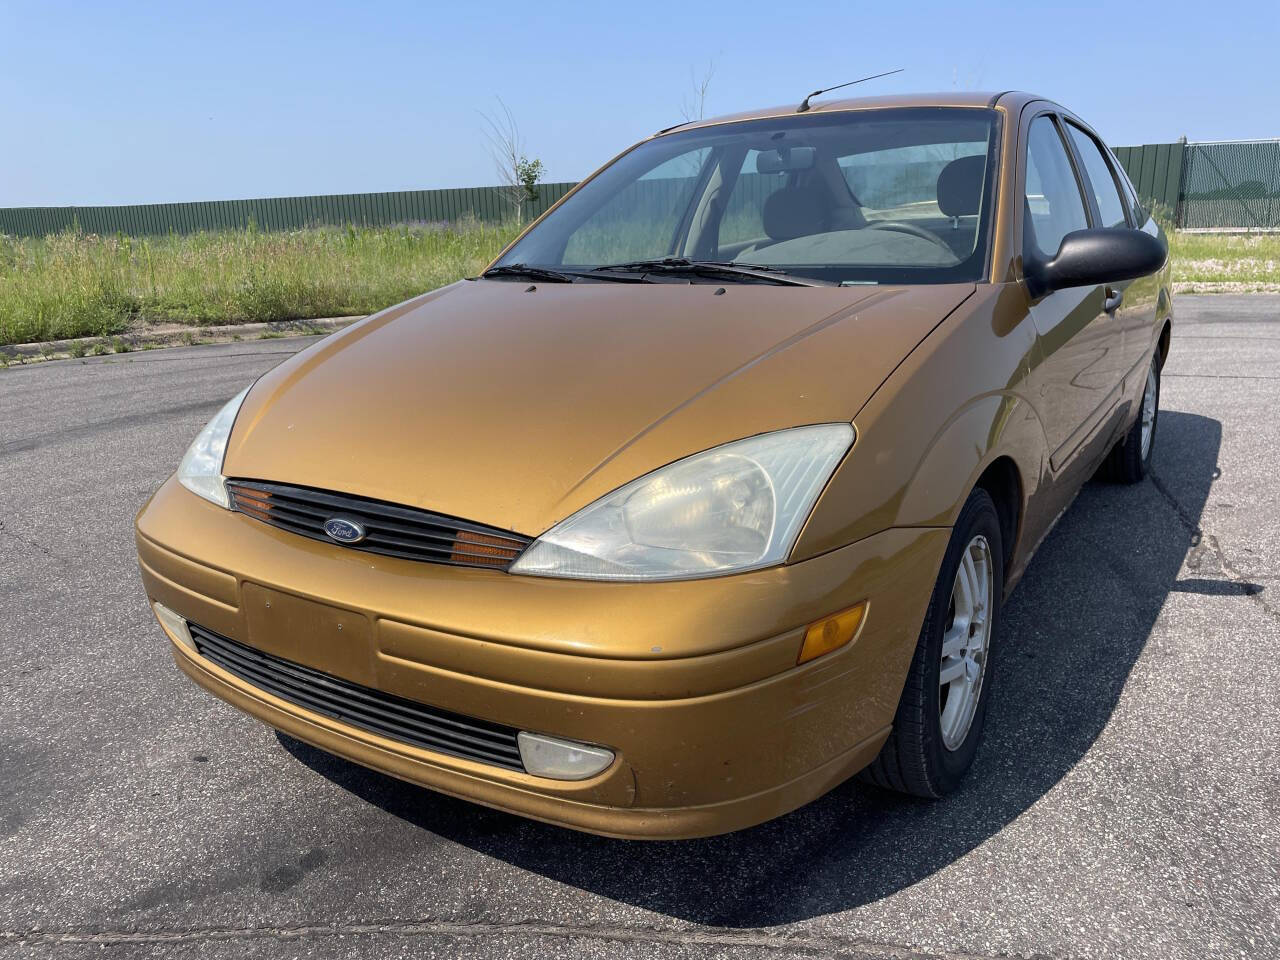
column 710, row 268
column 549, row 275
column 530, row 273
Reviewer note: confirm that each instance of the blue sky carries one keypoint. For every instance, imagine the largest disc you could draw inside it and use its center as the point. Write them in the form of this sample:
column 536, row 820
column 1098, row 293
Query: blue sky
column 122, row 103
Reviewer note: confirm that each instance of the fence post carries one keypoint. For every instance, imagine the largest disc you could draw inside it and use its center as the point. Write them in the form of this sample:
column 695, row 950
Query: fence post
column 1273, row 185
column 1181, row 147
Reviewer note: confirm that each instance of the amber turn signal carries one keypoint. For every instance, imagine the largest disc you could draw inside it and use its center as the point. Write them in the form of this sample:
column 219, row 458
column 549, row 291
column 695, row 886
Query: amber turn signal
column 832, row 633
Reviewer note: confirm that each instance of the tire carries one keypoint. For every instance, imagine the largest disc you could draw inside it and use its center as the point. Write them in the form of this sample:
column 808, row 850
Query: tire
column 1128, row 462
column 924, row 755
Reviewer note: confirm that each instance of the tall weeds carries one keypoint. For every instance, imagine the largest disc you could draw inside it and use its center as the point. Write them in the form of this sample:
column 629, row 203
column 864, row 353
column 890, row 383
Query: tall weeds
column 76, row 284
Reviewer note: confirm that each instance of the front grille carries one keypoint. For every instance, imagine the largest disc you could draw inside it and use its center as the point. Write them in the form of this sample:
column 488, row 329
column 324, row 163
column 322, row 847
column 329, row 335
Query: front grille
column 382, row 713
column 391, row 530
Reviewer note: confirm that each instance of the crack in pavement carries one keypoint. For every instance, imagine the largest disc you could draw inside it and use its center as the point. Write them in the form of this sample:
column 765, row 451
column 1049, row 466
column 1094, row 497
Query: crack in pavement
column 1221, row 376
column 1235, row 576
column 820, row 946
column 1208, row 542
column 6, row 532
column 1222, row 336
column 20, row 444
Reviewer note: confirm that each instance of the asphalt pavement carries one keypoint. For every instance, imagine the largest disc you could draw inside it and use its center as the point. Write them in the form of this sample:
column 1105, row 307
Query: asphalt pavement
column 1125, row 803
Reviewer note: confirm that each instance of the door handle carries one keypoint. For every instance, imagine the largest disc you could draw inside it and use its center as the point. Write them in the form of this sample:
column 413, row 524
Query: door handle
column 1113, row 299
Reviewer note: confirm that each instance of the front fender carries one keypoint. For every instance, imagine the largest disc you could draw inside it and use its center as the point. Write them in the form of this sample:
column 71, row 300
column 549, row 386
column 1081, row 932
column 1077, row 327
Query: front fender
column 988, row 428
column 949, row 410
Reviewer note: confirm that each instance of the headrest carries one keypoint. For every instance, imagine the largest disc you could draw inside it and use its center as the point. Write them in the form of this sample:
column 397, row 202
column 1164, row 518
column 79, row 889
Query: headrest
column 793, row 212
column 960, row 186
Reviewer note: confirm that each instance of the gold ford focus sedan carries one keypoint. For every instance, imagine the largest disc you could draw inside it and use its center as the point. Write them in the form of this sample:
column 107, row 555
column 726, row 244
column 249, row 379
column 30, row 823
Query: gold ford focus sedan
column 706, row 495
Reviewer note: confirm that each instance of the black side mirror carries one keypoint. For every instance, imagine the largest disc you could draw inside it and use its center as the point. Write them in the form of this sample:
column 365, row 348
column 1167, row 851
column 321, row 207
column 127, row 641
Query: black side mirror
column 1089, row 257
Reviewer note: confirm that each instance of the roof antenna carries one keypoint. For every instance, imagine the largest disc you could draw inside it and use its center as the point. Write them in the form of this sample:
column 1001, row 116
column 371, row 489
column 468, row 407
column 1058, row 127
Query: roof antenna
column 875, row 76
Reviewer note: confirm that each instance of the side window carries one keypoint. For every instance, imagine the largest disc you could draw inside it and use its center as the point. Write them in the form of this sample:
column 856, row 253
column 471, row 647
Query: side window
column 1131, row 197
column 1053, row 196
column 1101, row 180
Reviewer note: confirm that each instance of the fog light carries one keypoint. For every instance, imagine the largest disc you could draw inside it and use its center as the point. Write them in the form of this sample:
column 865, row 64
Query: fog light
column 174, row 624
column 558, row 759
column 832, row 633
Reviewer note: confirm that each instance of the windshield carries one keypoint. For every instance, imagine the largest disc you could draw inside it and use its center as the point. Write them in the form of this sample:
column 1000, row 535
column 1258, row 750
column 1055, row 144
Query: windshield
column 872, row 196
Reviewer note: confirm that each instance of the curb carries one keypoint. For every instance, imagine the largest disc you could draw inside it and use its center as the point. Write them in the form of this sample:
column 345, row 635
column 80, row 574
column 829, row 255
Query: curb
column 176, row 336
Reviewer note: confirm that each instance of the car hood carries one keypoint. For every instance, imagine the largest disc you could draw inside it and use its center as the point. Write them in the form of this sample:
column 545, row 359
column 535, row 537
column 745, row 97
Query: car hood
column 514, row 405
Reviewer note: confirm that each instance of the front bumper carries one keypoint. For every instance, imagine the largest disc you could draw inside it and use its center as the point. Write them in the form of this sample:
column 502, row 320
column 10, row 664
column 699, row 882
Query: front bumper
column 692, row 683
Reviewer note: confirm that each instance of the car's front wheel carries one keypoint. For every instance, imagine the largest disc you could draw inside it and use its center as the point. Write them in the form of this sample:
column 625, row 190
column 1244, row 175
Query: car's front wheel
column 939, row 721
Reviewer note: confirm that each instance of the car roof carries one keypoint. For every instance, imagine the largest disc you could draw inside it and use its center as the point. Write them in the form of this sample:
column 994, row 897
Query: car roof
column 1013, row 100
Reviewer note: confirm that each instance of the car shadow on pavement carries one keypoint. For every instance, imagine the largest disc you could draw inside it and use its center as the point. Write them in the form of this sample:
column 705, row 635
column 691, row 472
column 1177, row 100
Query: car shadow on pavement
column 1072, row 632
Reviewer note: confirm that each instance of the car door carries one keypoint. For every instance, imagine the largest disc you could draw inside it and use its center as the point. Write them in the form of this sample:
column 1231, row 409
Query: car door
column 1079, row 338
column 1135, row 299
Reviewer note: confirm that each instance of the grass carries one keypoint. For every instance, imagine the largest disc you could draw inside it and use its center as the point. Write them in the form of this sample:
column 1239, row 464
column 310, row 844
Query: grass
column 1225, row 262
column 76, row 284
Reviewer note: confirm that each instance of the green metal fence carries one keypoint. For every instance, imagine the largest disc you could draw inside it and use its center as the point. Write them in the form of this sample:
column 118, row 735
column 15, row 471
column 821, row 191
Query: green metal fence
column 1156, row 171
column 1231, row 185
column 278, row 213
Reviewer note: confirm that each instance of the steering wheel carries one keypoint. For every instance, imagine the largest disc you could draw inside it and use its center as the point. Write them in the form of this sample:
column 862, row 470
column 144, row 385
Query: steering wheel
column 901, row 226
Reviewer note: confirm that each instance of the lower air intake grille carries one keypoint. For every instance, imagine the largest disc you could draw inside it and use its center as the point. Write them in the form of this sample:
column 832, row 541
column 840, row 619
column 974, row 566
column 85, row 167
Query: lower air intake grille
column 388, row 528
column 382, row 713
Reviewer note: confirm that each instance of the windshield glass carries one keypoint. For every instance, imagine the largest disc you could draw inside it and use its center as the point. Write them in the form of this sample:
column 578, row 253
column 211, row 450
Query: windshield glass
column 872, row 196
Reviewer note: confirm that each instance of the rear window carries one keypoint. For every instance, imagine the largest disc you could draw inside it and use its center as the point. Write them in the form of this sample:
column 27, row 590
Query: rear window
column 903, row 181
column 1101, row 180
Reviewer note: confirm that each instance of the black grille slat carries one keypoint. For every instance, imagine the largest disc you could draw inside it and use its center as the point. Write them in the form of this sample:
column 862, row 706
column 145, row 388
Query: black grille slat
column 380, row 527
column 393, row 729
column 332, row 703
column 390, row 529
column 375, row 705
column 382, row 713
column 306, row 514
column 376, row 536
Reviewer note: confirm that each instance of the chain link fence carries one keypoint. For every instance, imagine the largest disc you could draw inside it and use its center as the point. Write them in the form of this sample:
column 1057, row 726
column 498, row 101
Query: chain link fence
column 1232, row 185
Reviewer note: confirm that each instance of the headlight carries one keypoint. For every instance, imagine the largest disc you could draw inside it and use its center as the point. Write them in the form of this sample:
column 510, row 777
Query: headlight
column 201, row 468
column 734, row 507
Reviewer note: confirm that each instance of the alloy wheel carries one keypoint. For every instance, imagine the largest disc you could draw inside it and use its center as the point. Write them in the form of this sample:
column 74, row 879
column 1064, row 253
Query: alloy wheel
column 965, row 642
column 1149, row 411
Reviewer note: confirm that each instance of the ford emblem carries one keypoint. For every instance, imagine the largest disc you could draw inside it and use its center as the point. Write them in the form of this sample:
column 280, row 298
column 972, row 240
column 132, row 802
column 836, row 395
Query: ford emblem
column 344, row 530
